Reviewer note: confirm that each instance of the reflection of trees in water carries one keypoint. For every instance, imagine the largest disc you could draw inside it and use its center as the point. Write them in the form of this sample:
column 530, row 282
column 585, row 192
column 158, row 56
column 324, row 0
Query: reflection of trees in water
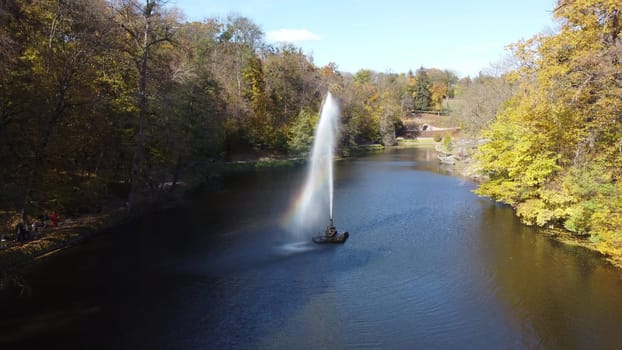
column 559, row 294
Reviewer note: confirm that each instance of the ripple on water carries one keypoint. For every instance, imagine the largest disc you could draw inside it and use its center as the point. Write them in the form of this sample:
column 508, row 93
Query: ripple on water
column 427, row 265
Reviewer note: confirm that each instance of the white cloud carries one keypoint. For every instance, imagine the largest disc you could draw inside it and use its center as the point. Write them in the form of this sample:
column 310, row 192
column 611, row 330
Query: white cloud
column 291, row 35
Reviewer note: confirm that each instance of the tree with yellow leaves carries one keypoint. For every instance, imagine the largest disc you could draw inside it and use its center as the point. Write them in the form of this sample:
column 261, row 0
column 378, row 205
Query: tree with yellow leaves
column 555, row 150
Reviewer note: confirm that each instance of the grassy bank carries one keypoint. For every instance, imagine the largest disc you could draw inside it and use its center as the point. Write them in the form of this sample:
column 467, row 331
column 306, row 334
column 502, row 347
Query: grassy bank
column 362, row 150
column 262, row 163
column 414, row 143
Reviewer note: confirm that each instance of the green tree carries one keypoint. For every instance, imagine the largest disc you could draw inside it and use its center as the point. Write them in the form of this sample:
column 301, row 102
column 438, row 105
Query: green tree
column 300, row 136
column 363, row 76
column 422, row 96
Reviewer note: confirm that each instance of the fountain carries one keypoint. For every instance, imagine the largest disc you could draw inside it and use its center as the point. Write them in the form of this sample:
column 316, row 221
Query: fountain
column 317, row 193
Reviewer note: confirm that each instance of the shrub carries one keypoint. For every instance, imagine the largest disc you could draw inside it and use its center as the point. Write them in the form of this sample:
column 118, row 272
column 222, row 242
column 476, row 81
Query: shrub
column 447, row 142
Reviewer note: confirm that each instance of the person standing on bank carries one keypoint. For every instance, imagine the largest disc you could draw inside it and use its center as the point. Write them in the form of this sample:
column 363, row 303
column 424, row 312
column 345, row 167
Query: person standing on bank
column 54, row 219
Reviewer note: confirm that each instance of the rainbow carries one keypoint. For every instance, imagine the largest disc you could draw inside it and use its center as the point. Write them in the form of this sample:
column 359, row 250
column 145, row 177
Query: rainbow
column 307, row 208
column 300, row 204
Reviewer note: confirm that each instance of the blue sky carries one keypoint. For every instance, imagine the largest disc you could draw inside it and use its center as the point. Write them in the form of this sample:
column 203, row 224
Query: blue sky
column 390, row 35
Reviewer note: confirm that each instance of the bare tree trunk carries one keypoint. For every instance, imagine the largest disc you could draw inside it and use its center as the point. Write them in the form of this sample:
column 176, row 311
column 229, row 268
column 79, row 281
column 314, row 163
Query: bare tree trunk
column 143, row 39
column 137, row 159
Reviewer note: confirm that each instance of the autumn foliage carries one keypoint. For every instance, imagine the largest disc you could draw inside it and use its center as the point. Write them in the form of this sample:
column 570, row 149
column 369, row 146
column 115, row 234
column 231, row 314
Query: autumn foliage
column 555, row 150
column 123, row 100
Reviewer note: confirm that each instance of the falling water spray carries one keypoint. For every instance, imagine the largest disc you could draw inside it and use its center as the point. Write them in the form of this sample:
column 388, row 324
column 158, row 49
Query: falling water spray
column 317, row 192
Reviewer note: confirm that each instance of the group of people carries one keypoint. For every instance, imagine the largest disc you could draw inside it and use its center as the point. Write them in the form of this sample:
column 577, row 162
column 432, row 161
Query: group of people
column 25, row 232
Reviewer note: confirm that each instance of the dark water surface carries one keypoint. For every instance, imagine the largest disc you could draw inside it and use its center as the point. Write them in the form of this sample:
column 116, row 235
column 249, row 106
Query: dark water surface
column 428, row 265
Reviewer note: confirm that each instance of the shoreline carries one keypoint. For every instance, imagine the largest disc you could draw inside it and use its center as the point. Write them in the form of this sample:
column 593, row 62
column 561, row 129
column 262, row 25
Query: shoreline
column 14, row 256
column 69, row 232
column 73, row 231
column 465, row 166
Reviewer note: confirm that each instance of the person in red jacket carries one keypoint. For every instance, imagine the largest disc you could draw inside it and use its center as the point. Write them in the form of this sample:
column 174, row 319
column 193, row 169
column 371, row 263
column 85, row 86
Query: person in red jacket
column 54, row 218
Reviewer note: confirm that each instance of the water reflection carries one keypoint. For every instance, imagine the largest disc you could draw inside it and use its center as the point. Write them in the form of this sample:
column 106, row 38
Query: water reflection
column 565, row 297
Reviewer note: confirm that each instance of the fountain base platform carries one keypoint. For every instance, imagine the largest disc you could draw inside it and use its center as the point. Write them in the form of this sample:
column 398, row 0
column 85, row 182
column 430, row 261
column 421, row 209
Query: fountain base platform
column 331, row 236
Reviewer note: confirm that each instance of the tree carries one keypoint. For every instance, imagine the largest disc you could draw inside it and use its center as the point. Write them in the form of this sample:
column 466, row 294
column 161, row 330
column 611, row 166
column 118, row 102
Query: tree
column 443, row 78
column 195, row 121
column 390, row 106
column 50, row 94
column 422, row 97
column 292, row 83
column 147, row 27
column 480, row 99
column 363, row 76
column 238, row 39
column 555, row 146
column 438, row 93
column 260, row 129
column 300, row 136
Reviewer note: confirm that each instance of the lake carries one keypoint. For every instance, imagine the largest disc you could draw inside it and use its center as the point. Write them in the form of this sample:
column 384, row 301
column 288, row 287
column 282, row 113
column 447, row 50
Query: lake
column 428, row 265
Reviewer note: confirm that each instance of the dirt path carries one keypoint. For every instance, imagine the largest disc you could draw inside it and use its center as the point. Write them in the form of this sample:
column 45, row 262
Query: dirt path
column 14, row 255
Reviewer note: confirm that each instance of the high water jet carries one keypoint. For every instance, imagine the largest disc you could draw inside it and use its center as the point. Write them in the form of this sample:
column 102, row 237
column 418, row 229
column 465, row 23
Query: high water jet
column 318, row 191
